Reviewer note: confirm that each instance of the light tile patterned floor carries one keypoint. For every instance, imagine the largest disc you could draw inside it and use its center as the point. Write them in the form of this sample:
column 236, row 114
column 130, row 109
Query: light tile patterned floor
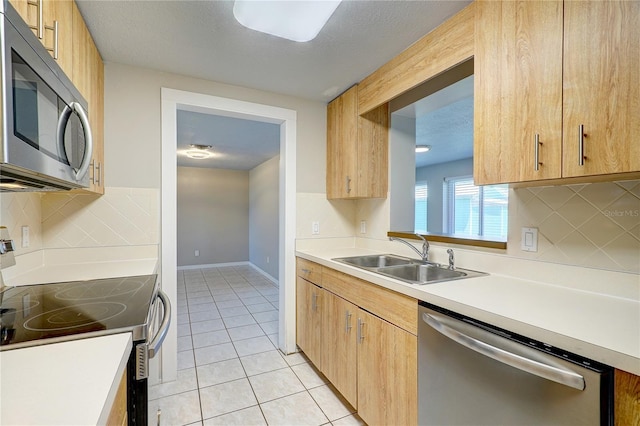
column 230, row 371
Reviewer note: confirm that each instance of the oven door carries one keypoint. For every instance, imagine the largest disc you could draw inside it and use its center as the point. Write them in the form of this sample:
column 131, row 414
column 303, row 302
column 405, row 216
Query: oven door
column 45, row 125
column 138, row 367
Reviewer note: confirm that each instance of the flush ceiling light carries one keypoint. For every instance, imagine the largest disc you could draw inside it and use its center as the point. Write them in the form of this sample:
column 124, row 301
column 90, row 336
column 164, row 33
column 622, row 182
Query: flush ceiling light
column 199, row 152
column 423, row 148
column 294, row 20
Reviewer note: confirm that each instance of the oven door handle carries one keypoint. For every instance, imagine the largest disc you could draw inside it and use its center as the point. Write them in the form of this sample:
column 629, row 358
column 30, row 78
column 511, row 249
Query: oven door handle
column 154, row 345
column 550, row 372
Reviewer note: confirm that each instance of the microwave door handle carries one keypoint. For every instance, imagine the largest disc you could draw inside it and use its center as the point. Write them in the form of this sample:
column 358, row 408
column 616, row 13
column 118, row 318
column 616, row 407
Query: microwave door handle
column 154, row 345
column 549, row 372
column 88, row 152
column 62, row 124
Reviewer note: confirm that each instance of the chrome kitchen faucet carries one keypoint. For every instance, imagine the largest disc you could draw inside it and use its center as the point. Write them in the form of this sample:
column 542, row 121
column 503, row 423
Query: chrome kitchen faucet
column 424, row 255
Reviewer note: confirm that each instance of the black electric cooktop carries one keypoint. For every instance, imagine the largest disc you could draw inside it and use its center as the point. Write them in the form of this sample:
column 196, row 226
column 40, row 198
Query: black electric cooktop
column 50, row 313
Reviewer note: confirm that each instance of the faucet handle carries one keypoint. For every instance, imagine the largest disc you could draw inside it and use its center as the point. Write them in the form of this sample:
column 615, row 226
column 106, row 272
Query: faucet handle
column 451, row 259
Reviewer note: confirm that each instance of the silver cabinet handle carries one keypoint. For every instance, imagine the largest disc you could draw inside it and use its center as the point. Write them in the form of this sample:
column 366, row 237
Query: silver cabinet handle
column 92, row 176
column 581, row 145
column 305, row 271
column 347, row 321
column 536, row 152
column 360, row 331
column 99, row 178
column 39, row 27
column 54, row 49
column 348, row 184
column 546, row 371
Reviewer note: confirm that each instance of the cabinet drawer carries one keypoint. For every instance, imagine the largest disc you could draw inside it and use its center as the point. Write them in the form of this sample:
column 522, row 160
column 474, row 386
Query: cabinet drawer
column 393, row 307
column 310, row 271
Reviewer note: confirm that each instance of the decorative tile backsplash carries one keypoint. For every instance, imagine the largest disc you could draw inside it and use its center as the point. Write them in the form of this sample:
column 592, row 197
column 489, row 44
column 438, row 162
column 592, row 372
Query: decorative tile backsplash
column 18, row 209
column 122, row 216
column 595, row 225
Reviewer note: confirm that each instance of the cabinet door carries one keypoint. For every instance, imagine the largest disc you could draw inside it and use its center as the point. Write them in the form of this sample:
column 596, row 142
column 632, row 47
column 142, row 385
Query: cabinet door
column 339, row 342
column 88, row 77
column 387, row 373
column 60, row 12
column 627, row 398
column 601, row 89
column 309, row 320
column 28, row 12
column 342, row 139
column 518, row 91
column 53, row 11
column 373, row 153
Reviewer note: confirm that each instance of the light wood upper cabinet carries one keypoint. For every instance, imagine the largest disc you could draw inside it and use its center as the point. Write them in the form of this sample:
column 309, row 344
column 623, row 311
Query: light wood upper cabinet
column 88, row 77
column 56, row 27
column 601, row 87
column 543, row 69
column 387, row 373
column 357, row 149
column 339, row 357
column 518, row 91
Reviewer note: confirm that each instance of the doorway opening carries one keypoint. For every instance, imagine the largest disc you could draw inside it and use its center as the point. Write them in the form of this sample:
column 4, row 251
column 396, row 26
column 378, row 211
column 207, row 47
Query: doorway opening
column 173, row 101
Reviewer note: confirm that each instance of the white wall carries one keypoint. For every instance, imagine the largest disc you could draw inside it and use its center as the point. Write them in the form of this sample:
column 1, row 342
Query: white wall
column 213, row 216
column 402, row 179
column 263, row 216
column 434, row 176
column 133, row 125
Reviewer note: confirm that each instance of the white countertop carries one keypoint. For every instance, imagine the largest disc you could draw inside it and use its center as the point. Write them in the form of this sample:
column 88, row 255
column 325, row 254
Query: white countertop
column 603, row 326
column 70, row 383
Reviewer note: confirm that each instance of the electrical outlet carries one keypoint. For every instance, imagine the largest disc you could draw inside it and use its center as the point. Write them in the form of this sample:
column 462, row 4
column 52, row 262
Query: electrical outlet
column 267, row 259
column 197, row 253
column 25, row 236
column 363, row 226
column 315, row 228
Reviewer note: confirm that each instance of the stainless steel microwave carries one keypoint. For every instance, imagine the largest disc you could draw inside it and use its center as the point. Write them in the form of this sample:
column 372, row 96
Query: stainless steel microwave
column 46, row 137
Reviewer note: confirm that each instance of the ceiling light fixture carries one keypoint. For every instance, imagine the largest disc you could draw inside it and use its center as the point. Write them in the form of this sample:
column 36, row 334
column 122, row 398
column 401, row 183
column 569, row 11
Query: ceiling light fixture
column 199, row 152
column 423, row 148
column 299, row 21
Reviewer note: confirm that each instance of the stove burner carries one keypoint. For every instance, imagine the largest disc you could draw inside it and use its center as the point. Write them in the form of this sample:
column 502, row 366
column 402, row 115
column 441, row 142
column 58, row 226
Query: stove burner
column 100, row 290
column 75, row 316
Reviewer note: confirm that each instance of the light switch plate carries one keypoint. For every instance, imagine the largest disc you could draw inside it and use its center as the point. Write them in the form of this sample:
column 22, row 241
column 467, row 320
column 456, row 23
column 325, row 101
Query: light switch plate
column 315, row 228
column 529, row 239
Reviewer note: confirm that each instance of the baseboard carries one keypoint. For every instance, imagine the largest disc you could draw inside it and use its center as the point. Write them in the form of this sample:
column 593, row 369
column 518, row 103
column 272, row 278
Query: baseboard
column 213, row 265
column 220, row 265
column 266, row 275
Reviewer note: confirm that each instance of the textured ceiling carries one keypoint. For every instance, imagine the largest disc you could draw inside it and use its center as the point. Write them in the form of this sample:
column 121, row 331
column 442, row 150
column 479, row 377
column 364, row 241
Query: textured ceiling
column 202, row 39
column 238, row 144
column 443, row 120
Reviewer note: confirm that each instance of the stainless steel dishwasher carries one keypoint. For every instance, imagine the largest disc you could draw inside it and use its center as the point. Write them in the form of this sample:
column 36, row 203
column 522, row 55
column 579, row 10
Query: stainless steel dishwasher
column 473, row 373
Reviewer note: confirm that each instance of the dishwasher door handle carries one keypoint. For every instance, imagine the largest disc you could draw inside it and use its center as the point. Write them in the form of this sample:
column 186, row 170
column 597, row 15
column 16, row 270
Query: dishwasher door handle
column 550, row 372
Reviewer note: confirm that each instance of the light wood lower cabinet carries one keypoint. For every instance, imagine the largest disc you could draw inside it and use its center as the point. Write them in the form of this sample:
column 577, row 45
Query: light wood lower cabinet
column 118, row 414
column 627, row 399
column 387, row 372
column 366, row 340
column 309, row 320
column 339, row 341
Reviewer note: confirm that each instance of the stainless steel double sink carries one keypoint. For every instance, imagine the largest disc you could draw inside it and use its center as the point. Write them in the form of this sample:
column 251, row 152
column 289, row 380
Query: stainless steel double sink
column 412, row 271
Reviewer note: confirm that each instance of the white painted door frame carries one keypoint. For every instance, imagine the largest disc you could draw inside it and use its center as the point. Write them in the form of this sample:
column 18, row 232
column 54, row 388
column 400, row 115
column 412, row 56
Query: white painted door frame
column 173, row 100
